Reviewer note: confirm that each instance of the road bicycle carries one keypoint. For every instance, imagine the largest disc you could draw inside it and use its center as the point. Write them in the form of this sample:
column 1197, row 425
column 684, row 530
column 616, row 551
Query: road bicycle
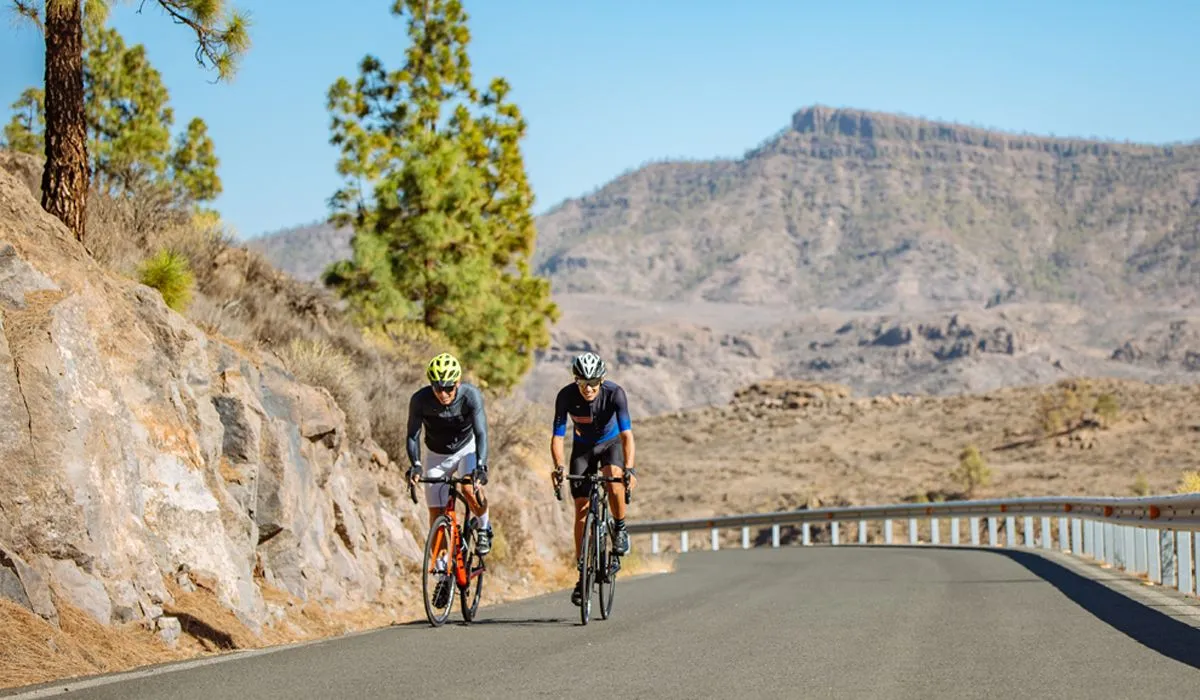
column 599, row 565
column 450, row 558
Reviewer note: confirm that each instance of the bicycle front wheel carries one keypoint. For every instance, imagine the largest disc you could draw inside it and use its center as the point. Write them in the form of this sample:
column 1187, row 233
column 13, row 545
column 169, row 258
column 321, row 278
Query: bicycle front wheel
column 469, row 603
column 437, row 582
column 588, row 570
column 608, row 569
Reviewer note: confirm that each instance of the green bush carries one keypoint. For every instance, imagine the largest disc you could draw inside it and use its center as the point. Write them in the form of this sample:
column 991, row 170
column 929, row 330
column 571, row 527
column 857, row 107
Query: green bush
column 169, row 273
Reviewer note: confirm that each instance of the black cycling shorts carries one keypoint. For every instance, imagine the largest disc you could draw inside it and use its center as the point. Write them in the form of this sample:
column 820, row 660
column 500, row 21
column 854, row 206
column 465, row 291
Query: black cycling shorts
column 586, row 459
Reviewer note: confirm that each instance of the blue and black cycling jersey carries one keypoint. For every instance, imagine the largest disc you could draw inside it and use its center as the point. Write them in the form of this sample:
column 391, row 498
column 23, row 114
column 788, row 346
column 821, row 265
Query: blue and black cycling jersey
column 596, row 421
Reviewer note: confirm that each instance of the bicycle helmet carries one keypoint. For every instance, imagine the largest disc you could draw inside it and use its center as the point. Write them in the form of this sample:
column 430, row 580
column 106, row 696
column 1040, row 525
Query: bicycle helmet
column 588, row 366
column 443, row 370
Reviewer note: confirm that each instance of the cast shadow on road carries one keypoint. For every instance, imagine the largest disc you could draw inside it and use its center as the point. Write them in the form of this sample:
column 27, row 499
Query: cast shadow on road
column 1151, row 628
column 507, row 621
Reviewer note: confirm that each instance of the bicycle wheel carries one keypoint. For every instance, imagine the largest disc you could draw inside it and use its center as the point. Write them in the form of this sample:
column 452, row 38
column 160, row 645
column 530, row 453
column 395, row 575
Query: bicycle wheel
column 587, row 573
column 608, row 567
column 437, row 587
column 469, row 596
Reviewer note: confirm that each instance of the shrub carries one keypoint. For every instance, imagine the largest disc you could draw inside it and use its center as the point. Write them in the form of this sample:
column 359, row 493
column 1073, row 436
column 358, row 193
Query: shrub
column 972, row 471
column 170, row 274
column 1189, row 482
column 318, row 363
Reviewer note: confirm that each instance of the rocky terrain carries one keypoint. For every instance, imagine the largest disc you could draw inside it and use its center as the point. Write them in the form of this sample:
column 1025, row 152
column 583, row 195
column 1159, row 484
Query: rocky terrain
column 887, row 253
column 778, row 445
column 160, row 480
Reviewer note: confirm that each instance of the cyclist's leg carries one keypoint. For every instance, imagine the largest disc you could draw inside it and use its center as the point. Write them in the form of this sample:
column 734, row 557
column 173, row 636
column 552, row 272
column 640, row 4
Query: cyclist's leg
column 613, row 457
column 436, row 495
column 581, row 463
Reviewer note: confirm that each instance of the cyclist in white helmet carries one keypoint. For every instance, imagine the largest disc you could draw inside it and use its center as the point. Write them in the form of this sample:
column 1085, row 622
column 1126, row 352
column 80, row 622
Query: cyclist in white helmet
column 602, row 438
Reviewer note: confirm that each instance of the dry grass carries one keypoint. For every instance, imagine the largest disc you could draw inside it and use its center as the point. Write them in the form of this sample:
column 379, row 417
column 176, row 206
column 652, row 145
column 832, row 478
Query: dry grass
column 34, row 651
column 318, row 363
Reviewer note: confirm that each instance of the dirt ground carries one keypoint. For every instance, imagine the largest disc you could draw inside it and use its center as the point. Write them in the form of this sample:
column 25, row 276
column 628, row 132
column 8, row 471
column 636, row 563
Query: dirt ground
column 783, row 445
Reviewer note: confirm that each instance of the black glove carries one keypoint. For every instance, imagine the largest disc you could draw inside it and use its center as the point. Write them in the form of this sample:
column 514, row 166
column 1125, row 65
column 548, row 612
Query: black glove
column 481, row 474
column 414, row 472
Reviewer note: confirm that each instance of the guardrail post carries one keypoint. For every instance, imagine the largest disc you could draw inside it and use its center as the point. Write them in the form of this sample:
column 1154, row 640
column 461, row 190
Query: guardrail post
column 974, row 531
column 1064, row 534
column 1140, row 564
column 887, row 531
column 807, row 534
column 654, row 543
column 935, row 536
column 992, row 532
column 835, row 532
column 1028, row 527
column 862, row 531
column 1153, row 555
column 683, row 541
column 715, row 543
column 1089, row 538
column 1047, row 535
column 1119, row 554
column 1131, row 549
column 953, row 530
column 745, row 537
column 1010, row 531
column 1076, row 536
column 1196, row 559
column 912, row 530
column 1166, row 540
column 1110, row 544
column 1183, row 549
column 775, row 535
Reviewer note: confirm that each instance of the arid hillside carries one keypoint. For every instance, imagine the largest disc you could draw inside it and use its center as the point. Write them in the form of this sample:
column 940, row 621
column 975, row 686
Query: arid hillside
column 781, row 445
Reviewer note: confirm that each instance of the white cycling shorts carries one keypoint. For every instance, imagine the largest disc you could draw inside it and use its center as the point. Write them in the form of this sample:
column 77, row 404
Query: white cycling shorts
column 461, row 463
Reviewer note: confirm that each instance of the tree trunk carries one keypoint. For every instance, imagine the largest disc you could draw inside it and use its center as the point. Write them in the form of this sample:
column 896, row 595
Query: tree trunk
column 65, row 175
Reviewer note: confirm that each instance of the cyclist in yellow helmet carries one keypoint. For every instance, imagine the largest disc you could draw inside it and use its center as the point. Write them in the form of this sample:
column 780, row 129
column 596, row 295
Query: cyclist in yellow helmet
column 452, row 414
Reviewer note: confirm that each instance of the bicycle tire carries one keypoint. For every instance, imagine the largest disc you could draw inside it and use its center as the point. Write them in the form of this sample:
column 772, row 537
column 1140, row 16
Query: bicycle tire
column 428, row 582
column 469, row 601
column 608, row 588
column 586, row 572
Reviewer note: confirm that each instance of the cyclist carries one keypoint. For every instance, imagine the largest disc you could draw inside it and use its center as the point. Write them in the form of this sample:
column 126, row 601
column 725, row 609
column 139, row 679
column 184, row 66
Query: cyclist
column 602, row 437
column 455, row 423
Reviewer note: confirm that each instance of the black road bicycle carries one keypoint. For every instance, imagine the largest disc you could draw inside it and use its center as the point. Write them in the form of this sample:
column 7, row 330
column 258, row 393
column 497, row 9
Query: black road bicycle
column 599, row 563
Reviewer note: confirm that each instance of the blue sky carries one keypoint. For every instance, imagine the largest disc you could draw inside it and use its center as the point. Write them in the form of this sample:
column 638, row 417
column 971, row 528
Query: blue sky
column 607, row 86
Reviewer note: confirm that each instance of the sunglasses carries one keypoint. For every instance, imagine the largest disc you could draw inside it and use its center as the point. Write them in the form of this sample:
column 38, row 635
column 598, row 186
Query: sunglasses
column 593, row 383
column 444, row 388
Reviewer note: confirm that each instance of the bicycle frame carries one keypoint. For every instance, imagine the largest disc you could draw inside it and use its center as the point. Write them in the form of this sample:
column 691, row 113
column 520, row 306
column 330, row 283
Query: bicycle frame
column 462, row 577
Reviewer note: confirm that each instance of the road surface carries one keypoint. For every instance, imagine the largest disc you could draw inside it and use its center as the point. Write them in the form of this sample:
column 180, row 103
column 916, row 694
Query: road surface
column 816, row 622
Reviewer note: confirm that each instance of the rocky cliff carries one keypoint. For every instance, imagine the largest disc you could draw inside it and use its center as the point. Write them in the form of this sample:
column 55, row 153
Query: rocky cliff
column 143, row 460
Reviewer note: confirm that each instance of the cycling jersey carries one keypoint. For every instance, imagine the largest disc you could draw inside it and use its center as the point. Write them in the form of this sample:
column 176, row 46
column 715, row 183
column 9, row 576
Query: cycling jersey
column 596, row 421
column 447, row 428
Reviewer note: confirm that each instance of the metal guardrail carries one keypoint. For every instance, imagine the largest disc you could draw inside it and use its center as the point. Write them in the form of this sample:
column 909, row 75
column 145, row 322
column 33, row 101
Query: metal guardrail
column 1149, row 535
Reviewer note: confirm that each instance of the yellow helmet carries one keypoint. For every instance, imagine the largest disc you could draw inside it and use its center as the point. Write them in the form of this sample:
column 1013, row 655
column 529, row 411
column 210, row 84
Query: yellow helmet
column 443, row 369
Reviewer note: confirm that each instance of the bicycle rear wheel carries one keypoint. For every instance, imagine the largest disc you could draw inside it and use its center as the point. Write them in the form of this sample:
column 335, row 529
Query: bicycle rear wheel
column 587, row 572
column 608, row 569
column 437, row 586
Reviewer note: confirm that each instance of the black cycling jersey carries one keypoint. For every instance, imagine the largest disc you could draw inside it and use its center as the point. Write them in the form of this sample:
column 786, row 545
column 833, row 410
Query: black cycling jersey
column 603, row 418
column 447, row 428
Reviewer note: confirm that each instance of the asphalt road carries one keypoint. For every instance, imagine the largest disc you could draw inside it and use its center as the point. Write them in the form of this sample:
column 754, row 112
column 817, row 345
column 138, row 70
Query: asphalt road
column 819, row 622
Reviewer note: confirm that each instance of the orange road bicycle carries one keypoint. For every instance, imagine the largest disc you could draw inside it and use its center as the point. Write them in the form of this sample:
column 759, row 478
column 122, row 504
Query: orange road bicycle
column 599, row 563
column 450, row 558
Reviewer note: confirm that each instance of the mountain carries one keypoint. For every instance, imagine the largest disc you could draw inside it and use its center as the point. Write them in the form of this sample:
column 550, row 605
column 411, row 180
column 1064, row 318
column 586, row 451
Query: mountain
column 877, row 250
column 860, row 210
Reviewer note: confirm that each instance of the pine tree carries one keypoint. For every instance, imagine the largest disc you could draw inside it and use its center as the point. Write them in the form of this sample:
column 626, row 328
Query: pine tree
column 193, row 164
column 129, row 122
column 439, row 200
column 24, row 132
column 221, row 38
